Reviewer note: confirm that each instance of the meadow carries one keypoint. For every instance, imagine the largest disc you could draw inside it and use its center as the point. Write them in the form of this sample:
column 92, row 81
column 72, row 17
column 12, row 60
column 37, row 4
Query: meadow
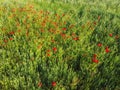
column 59, row 45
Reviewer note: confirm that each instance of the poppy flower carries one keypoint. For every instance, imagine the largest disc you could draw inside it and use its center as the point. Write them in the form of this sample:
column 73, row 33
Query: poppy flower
column 95, row 55
column 55, row 49
column 12, row 32
column 64, row 29
column 95, row 60
column 63, row 35
column 48, row 50
column 110, row 35
column 39, row 84
column 53, row 84
column 48, row 54
column 76, row 38
column 107, row 50
column 10, row 39
column 99, row 45
column 5, row 40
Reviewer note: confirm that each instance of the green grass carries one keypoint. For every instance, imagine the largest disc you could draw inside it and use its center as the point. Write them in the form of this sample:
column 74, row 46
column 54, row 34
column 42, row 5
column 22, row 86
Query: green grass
column 59, row 45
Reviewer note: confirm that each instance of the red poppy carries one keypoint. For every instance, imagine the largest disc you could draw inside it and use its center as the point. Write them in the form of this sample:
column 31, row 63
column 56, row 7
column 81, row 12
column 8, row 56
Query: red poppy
column 64, row 29
column 95, row 55
column 39, row 84
column 5, row 40
column 76, row 38
column 107, row 50
column 10, row 39
column 48, row 55
column 110, row 35
column 48, row 50
column 53, row 84
column 99, row 44
column 55, row 49
column 12, row 32
column 63, row 35
column 95, row 60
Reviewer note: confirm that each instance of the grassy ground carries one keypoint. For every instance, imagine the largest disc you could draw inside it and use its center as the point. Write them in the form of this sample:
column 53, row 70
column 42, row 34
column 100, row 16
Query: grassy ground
column 59, row 45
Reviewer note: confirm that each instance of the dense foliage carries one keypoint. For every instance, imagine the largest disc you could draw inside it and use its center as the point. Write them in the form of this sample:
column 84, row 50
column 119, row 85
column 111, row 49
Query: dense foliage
column 60, row 45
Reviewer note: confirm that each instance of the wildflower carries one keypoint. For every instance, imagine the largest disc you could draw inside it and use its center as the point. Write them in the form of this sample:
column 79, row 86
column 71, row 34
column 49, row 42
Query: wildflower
column 5, row 40
column 107, row 49
column 48, row 50
column 10, row 39
column 63, row 35
column 64, row 29
column 99, row 45
column 110, row 35
column 76, row 38
column 95, row 55
column 95, row 60
column 12, row 32
column 39, row 84
column 48, row 54
column 53, row 84
column 54, row 49
column 39, row 46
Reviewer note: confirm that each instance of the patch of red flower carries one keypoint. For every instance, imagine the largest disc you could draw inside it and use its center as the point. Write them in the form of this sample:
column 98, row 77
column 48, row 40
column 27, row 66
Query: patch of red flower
column 54, row 49
column 76, row 38
column 110, row 35
column 12, row 32
column 94, row 59
column 95, row 55
column 5, row 40
column 107, row 49
column 64, row 29
column 39, row 84
column 48, row 50
column 53, row 84
column 48, row 55
column 99, row 44
column 10, row 39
